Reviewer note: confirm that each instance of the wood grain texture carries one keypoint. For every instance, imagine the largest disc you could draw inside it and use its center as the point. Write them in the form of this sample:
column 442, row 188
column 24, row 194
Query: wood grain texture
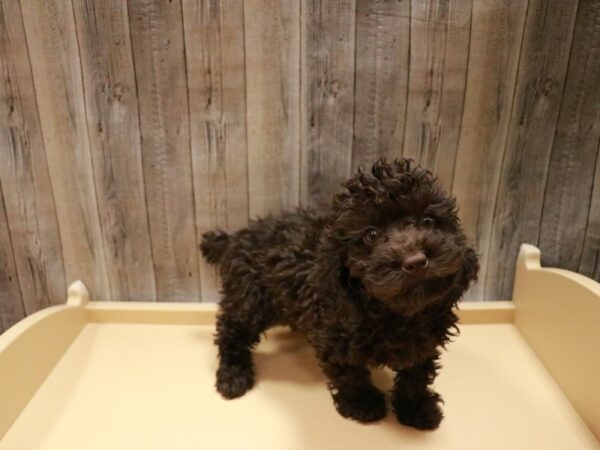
column 590, row 258
column 540, row 82
column 382, row 70
column 55, row 63
column 214, row 38
column 11, row 301
column 569, row 185
column 327, row 97
column 272, row 48
column 439, row 39
column 496, row 33
column 128, row 129
column 113, row 124
column 157, row 40
column 28, row 196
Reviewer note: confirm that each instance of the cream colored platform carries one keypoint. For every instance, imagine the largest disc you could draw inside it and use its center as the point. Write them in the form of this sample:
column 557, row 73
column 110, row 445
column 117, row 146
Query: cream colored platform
column 98, row 375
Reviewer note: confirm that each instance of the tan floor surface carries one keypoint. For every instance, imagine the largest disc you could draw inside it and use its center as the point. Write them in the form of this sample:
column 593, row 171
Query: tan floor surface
column 125, row 386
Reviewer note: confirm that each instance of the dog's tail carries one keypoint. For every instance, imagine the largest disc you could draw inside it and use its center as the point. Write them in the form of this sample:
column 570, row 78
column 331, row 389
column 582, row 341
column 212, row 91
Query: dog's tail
column 214, row 244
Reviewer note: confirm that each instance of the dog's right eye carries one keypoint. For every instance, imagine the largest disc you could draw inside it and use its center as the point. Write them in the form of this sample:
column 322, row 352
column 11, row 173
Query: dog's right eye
column 372, row 235
column 428, row 222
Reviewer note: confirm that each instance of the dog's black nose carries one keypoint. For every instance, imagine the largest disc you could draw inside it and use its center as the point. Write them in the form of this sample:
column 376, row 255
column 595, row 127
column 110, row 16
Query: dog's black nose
column 414, row 262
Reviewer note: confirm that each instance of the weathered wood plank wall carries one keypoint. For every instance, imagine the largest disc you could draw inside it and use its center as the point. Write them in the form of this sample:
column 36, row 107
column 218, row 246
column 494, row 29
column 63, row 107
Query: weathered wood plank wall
column 28, row 199
column 156, row 29
column 113, row 123
column 57, row 82
column 536, row 104
column 127, row 129
column 214, row 40
column 327, row 97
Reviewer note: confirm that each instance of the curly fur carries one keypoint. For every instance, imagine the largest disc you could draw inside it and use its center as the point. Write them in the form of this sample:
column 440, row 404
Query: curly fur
column 348, row 289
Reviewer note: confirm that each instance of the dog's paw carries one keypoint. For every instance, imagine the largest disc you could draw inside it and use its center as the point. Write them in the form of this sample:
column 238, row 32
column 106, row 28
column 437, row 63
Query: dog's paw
column 365, row 404
column 234, row 380
column 422, row 412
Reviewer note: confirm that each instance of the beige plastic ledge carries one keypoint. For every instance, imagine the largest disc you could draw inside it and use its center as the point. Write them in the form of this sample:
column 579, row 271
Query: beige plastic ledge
column 103, row 375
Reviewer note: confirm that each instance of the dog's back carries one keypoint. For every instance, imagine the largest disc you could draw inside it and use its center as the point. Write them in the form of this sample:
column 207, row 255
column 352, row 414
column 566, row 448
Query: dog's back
column 214, row 244
column 264, row 236
column 270, row 257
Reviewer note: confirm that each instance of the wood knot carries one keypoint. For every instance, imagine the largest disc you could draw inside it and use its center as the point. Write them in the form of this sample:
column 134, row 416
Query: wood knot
column 334, row 88
column 118, row 91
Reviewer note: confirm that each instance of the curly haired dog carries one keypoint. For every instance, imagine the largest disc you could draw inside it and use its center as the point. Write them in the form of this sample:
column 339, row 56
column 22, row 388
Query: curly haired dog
column 370, row 281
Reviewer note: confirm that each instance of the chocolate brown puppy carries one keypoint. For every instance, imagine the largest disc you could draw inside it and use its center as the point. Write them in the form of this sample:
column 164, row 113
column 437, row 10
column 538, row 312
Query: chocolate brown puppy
column 369, row 281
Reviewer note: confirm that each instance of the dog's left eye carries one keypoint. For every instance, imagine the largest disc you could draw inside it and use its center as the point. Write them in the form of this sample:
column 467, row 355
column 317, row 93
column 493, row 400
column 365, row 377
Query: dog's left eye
column 372, row 235
column 428, row 222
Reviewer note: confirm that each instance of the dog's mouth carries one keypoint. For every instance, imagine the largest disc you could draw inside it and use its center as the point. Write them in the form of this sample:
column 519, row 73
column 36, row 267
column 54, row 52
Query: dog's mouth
column 408, row 298
column 432, row 287
column 404, row 293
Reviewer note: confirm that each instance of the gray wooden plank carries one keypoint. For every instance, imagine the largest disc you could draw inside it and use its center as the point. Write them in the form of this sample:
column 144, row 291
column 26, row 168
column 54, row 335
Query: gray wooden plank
column 28, row 195
column 569, row 184
column 214, row 40
column 112, row 114
column 496, row 32
column 158, row 51
column 55, row 63
column 11, row 302
column 589, row 264
column 542, row 72
column 327, row 97
column 382, row 68
column 272, row 48
column 439, row 39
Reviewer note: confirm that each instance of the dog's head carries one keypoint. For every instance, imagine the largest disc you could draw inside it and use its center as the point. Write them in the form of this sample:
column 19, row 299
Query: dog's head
column 399, row 236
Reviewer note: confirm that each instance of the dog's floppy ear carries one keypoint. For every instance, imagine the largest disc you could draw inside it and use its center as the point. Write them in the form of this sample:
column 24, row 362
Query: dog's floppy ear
column 469, row 270
column 464, row 278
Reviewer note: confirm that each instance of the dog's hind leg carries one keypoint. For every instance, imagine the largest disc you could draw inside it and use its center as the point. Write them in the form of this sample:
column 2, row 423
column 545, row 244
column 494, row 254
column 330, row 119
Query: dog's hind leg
column 239, row 326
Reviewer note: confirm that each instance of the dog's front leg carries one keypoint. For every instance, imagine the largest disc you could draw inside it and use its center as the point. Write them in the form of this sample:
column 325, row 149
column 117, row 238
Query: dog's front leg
column 415, row 403
column 353, row 393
